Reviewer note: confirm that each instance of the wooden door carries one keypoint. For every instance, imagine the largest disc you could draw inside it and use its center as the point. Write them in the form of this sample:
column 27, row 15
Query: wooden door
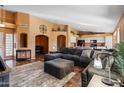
column 61, row 41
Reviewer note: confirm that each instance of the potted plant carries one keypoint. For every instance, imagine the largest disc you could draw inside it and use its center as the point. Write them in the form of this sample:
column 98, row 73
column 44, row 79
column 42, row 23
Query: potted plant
column 120, row 56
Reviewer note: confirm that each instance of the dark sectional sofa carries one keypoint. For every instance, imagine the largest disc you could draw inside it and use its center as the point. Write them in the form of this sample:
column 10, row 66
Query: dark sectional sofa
column 86, row 61
column 70, row 54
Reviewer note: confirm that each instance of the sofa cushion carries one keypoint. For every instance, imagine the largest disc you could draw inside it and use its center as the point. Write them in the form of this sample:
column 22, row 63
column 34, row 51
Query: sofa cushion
column 64, row 50
column 76, row 59
column 86, row 53
column 84, row 61
column 71, row 51
column 71, row 57
column 78, row 52
column 66, row 56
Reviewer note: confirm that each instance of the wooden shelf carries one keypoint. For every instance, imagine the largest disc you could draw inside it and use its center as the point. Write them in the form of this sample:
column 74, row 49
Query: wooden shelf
column 59, row 30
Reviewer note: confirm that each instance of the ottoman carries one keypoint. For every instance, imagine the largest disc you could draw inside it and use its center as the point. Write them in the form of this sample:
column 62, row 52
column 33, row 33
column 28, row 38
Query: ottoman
column 59, row 67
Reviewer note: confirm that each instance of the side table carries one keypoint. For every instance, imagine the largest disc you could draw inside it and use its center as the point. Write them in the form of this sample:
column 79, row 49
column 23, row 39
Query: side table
column 96, row 82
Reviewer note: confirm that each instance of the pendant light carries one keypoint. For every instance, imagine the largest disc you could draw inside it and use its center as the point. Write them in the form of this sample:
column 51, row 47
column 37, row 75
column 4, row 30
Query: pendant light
column 1, row 17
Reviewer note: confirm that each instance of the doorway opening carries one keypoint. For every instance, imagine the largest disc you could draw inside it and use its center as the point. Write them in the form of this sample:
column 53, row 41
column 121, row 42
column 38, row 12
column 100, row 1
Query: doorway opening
column 41, row 44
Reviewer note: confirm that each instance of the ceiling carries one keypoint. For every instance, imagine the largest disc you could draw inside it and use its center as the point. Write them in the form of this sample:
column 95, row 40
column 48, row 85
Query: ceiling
column 87, row 18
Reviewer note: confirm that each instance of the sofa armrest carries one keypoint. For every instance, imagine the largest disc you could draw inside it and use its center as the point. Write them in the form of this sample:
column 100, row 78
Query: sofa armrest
column 84, row 61
column 86, row 77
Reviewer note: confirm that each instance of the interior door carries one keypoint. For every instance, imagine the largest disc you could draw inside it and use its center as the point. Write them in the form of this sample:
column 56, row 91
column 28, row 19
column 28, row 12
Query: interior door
column 61, row 42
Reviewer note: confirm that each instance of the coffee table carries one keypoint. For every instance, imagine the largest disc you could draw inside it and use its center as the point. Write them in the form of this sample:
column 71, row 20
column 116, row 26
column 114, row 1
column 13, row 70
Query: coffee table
column 96, row 82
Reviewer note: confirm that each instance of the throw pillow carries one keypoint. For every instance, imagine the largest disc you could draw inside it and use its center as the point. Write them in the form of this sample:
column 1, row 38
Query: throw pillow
column 95, row 53
column 98, row 62
column 71, row 51
column 78, row 52
column 103, row 57
column 86, row 53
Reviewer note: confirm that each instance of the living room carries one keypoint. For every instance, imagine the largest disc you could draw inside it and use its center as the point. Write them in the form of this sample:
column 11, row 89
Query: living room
column 42, row 46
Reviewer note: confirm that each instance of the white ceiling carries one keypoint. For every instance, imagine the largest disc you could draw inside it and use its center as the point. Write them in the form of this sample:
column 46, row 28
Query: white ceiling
column 89, row 18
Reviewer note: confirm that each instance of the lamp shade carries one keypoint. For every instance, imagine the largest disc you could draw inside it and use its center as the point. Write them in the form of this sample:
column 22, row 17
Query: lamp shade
column 73, row 39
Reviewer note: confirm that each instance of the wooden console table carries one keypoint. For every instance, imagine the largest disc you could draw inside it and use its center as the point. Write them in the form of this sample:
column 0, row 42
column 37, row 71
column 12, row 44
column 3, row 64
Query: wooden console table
column 23, row 54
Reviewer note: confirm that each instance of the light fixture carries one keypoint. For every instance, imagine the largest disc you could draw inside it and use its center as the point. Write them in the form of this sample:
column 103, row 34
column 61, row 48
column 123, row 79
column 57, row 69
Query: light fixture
column 1, row 17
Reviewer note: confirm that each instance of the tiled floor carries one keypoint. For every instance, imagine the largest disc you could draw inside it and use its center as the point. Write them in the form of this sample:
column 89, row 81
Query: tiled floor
column 74, row 82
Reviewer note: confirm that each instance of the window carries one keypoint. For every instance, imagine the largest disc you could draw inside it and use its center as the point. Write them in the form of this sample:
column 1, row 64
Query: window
column 1, row 44
column 118, row 35
column 9, row 44
column 23, row 40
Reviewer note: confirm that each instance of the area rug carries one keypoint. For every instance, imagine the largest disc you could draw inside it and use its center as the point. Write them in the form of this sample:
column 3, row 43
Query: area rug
column 33, row 75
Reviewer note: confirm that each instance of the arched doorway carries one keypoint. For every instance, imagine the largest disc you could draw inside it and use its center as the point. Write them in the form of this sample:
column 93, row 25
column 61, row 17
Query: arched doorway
column 61, row 41
column 41, row 44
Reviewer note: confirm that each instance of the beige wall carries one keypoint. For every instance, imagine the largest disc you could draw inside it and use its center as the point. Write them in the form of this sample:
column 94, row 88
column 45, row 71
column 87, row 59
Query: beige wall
column 53, row 39
column 21, row 19
column 26, row 23
column 34, row 31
